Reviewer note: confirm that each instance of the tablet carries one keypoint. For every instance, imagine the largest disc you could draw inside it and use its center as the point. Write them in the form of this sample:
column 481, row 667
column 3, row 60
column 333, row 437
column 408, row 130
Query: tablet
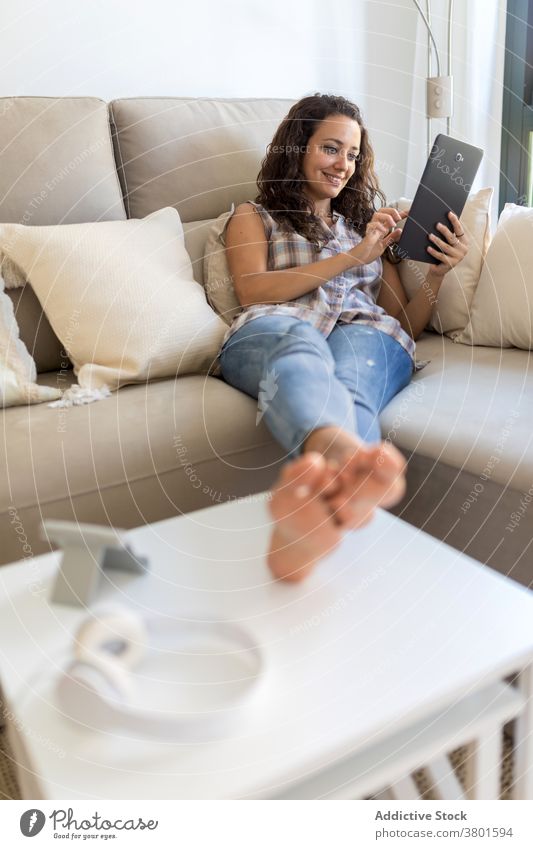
column 444, row 187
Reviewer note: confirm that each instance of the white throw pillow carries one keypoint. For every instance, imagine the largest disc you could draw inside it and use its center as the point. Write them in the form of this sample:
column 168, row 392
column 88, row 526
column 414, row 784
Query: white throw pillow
column 17, row 368
column 121, row 297
column 502, row 310
column 218, row 282
column 452, row 312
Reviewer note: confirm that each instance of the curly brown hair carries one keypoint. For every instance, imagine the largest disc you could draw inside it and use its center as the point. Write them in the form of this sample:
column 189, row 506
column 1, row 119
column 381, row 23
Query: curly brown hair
column 280, row 180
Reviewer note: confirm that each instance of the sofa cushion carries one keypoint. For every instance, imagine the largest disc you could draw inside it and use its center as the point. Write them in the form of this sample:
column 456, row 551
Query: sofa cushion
column 34, row 328
column 195, row 234
column 56, row 165
column 487, row 520
column 145, row 453
column 470, row 408
column 56, row 161
column 17, row 367
column 198, row 155
column 120, row 296
column 502, row 310
column 36, row 331
column 218, row 284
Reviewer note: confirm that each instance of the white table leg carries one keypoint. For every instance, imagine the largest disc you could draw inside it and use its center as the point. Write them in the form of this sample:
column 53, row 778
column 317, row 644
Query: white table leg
column 483, row 766
column 384, row 794
column 404, row 788
column 27, row 778
column 444, row 782
column 523, row 740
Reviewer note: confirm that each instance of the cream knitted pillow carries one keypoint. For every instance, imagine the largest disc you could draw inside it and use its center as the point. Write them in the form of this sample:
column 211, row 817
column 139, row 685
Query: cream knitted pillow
column 121, row 297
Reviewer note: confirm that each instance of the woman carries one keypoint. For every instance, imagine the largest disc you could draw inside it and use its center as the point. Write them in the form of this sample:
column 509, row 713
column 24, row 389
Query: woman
column 326, row 335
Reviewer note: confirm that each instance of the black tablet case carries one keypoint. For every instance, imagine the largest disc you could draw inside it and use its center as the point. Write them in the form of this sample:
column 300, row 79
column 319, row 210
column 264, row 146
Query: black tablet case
column 445, row 185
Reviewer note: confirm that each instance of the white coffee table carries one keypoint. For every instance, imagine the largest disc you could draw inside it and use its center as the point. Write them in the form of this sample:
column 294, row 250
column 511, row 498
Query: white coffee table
column 393, row 652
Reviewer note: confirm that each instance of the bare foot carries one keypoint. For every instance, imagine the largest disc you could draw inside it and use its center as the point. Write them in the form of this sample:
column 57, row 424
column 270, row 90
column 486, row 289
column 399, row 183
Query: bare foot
column 305, row 529
column 368, row 475
column 334, row 487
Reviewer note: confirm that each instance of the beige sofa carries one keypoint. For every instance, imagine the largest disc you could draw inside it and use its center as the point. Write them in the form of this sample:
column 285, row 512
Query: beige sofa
column 152, row 451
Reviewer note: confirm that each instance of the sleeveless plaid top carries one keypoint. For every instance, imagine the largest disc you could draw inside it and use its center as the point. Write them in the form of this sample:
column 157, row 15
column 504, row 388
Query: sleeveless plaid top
column 346, row 299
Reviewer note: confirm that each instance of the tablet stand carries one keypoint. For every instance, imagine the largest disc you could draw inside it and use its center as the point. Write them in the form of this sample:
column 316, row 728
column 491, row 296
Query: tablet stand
column 88, row 551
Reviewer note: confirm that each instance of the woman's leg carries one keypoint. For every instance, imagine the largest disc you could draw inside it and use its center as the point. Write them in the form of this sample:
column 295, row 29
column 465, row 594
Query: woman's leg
column 288, row 366
column 374, row 367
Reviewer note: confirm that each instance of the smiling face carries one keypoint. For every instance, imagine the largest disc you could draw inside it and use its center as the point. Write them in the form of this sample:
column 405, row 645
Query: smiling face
column 330, row 159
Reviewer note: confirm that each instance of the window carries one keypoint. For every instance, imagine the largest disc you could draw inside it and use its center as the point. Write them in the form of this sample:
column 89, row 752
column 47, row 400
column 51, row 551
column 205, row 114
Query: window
column 516, row 180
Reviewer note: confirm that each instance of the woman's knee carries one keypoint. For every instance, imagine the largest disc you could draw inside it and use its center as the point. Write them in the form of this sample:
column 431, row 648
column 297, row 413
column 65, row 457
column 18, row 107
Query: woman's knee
column 300, row 337
column 254, row 351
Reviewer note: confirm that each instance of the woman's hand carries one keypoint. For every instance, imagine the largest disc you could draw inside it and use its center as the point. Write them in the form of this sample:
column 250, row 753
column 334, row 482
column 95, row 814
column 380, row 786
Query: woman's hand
column 450, row 250
column 381, row 232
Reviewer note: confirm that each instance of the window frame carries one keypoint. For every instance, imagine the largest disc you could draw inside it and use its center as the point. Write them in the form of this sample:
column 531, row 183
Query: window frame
column 517, row 111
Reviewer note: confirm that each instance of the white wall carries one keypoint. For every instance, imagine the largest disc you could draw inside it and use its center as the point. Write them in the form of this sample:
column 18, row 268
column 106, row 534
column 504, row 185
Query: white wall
column 118, row 48
column 390, row 48
column 121, row 48
column 372, row 51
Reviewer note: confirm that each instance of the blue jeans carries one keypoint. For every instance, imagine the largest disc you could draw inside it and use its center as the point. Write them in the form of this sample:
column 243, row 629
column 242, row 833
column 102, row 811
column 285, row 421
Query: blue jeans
column 304, row 381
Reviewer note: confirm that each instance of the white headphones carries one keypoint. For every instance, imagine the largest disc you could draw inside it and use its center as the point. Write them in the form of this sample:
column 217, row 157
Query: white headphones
column 166, row 678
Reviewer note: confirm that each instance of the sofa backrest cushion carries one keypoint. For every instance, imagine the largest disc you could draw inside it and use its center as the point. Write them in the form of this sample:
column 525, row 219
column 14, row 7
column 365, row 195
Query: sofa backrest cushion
column 56, row 161
column 57, row 166
column 198, row 155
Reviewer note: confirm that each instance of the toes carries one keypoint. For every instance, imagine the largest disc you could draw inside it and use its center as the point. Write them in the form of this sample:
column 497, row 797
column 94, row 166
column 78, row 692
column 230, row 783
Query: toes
column 394, row 493
column 369, row 491
column 308, row 476
column 389, row 460
column 381, row 458
column 305, row 470
column 300, row 510
column 363, row 491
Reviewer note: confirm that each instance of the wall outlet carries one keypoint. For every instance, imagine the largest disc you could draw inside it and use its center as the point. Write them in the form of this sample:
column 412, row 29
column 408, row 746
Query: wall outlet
column 439, row 97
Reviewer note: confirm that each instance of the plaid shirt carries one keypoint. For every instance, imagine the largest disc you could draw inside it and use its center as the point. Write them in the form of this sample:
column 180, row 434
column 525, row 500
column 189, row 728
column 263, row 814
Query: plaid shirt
column 349, row 298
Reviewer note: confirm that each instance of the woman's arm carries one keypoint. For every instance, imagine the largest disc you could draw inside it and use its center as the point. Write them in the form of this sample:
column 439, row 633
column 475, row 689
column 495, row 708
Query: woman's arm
column 247, row 252
column 415, row 314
